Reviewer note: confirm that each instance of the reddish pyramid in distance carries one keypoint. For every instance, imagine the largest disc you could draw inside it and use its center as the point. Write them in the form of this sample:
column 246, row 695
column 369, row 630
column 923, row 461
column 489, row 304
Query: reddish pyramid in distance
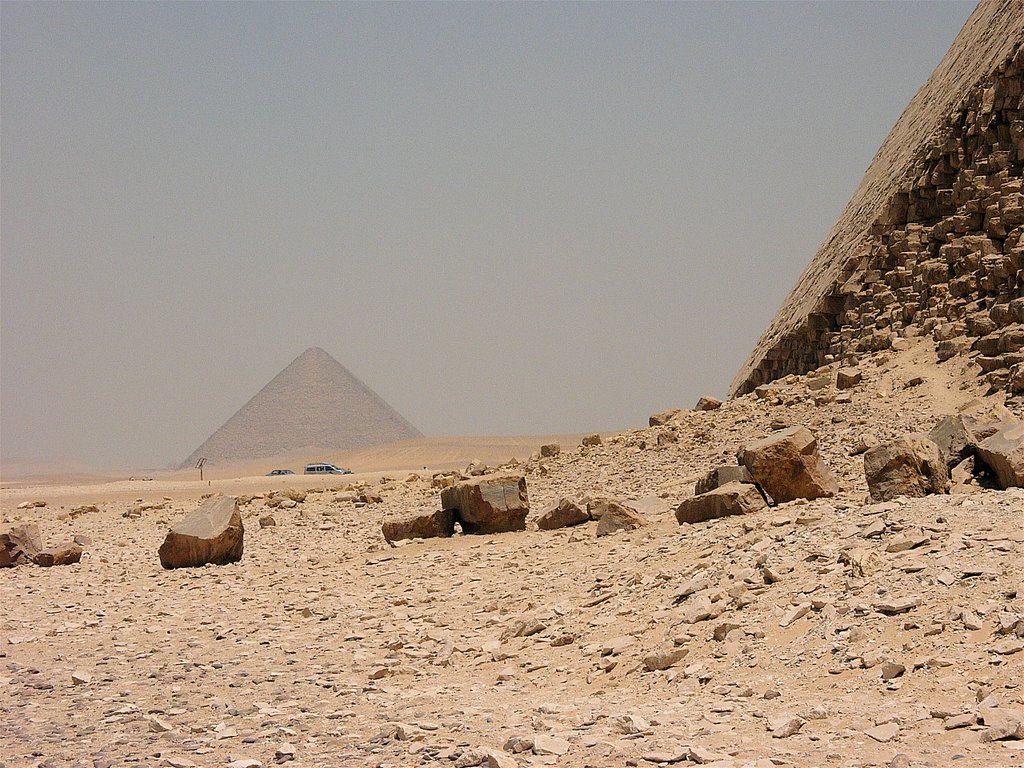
column 314, row 404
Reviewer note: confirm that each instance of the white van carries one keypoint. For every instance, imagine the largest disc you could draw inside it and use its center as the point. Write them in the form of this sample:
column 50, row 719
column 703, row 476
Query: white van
column 326, row 469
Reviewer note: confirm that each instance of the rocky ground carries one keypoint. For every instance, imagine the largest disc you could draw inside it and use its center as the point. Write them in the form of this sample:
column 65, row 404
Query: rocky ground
column 833, row 632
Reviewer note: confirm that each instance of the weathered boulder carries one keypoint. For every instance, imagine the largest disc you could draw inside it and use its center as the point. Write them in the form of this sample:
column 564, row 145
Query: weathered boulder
column 787, row 466
column 983, row 418
column 489, row 504
column 439, row 524
column 211, row 534
column 718, row 477
column 848, row 378
column 707, row 403
column 817, row 382
column 550, row 449
column 591, row 439
column 613, row 515
column 911, row 465
column 664, row 417
column 954, row 440
column 730, row 499
column 565, row 513
column 20, row 545
column 67, row 553
column 1003, row 453
column 1015, row 384
column 661, row 660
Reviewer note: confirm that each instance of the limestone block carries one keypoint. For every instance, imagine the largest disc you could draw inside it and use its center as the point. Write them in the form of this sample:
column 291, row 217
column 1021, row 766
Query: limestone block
column 1003, row 453
column 787, row 466
column 847, row 378
column 953, row 438
column 438, row 524
column 911, row 465
column 664, row 417
column 722, row 475
column 67, row 553
column 19, row 545
column 708, row 403
column 729, row 499
column 950, row 348
column 983, row 418
column 613, row 515
column 565, row 513
column 489, row 503
column 1015, row 383
column 213, row 533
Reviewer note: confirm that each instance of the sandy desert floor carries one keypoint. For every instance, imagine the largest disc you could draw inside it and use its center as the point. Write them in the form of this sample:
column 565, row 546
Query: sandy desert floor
column 324, row 646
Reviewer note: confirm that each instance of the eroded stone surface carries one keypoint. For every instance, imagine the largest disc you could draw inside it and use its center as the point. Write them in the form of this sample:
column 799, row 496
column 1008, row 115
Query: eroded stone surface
column 437, row 524
column 722, row 475
column 787, row 466
column 911, row 465
column 729, row 499
column 565, row 513
column 212, row 534
column 493, row 503
column 19, row 545
column 1003, row 453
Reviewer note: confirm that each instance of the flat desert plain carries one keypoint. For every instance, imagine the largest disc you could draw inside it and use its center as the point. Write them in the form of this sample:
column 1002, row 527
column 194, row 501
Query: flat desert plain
column 829, row 632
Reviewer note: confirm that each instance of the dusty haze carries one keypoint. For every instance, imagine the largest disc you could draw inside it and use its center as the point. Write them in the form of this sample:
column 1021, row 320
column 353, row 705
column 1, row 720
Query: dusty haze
column 504, row 219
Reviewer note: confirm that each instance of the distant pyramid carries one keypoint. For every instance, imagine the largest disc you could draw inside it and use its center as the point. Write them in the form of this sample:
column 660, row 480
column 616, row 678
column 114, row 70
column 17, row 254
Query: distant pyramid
column 314, row 404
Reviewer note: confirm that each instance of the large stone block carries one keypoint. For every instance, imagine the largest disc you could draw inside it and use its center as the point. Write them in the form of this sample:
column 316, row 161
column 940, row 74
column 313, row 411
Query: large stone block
column 718, row 477
column 211, row 534
column 1003, row 453
column 729, row 499
column 954, row 440
column 489, row 504
column 439, row 524
column 67, row 553
column 787, row 466
column 664, row 417
column 911, row 465
column 20, row 545
column 848, row 378
column 565, row 513
column 983, row 418
column 612, row 515
column 708, row 403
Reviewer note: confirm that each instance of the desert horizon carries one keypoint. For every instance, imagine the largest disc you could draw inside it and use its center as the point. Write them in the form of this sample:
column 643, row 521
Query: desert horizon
column 433, row 453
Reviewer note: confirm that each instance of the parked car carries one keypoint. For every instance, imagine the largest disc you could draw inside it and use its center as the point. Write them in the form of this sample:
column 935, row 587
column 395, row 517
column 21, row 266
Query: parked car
column 274, row 472
column 322, row 468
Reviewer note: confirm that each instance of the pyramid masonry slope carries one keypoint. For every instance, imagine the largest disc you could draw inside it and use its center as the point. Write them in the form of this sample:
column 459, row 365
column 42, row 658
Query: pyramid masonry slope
column 931, row 242
column 314, row 404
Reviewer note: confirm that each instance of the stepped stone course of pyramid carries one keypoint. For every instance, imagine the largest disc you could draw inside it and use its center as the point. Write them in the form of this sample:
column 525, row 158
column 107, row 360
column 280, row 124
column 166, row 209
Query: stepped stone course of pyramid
column 314, row 404
column 932, row 242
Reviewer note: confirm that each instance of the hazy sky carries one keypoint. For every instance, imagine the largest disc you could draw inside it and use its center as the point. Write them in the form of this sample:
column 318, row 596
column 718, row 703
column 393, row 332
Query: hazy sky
column 505, row 218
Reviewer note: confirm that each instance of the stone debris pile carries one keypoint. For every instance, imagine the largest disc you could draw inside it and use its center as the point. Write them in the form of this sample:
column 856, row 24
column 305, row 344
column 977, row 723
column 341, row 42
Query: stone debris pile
column 23, row 544
column 803, row 629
